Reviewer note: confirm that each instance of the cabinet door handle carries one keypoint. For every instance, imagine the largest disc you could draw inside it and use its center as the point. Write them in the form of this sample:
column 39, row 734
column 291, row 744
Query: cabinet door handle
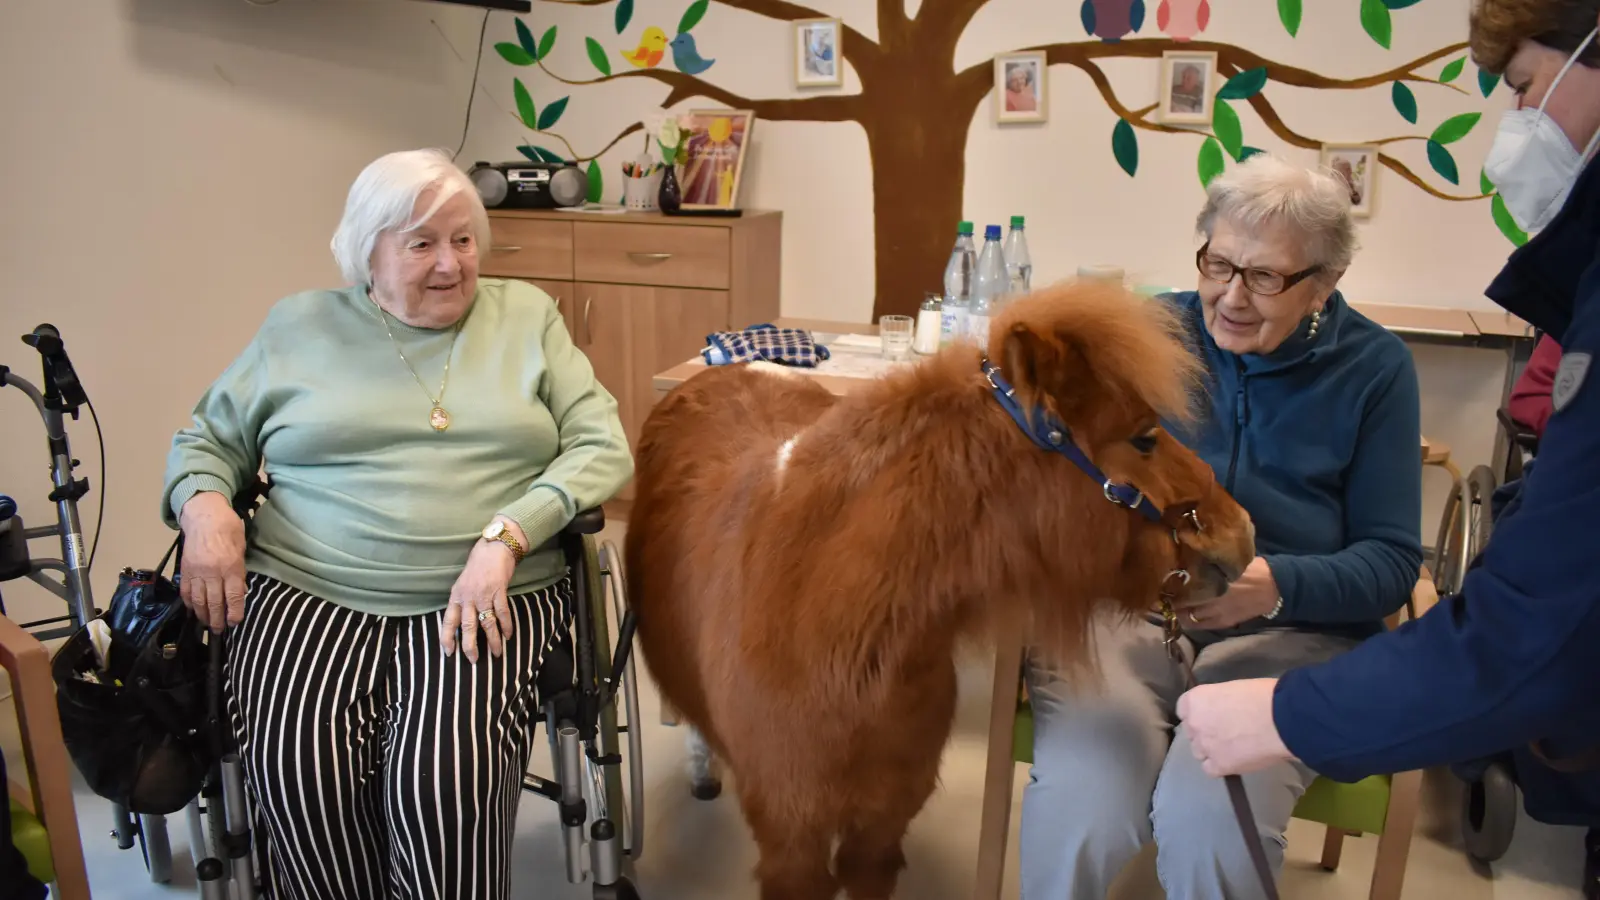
column 504, row 248
column 588, row 335
column 652, row 257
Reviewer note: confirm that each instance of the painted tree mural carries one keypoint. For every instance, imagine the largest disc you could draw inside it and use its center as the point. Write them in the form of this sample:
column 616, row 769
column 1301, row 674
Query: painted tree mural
column 914, row 103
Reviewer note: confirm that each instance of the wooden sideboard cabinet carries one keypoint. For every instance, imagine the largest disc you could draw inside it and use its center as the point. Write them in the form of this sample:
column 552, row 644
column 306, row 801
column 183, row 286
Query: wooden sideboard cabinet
column 640, row 291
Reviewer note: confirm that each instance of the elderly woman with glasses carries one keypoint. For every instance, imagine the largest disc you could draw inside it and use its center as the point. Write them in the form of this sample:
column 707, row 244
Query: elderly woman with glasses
column 1310, row 420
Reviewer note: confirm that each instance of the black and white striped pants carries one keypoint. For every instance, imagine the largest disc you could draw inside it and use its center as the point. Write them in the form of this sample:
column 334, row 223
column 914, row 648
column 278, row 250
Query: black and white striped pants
column 378, row 767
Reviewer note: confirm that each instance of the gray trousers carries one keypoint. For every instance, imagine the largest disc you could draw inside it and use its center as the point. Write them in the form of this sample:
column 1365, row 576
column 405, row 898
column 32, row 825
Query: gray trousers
column 1111, row 771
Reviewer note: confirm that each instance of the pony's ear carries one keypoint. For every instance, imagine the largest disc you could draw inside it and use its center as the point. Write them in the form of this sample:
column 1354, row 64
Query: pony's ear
column 1049, row 369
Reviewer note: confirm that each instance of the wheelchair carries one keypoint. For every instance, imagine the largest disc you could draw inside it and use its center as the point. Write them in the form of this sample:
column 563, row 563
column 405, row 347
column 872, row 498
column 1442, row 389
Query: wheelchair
column 579, row 688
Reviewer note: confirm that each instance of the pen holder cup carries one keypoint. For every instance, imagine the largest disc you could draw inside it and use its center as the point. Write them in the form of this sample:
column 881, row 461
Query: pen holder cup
column 639, row 194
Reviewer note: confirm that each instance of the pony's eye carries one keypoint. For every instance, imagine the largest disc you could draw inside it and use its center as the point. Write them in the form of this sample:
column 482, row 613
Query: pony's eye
column 1146, row 442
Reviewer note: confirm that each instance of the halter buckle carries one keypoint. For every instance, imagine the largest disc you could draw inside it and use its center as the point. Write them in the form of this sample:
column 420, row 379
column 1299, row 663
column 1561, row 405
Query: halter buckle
column 1109, row 487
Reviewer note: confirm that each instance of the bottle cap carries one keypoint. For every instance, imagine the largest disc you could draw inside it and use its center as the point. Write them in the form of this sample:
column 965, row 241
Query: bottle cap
column 991, row 232
column 1016, row 221
column 964, row 228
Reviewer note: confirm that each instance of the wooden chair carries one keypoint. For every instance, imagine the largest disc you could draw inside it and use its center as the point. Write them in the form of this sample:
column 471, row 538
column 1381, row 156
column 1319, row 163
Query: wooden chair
column 44, row 818
column 1383, row 805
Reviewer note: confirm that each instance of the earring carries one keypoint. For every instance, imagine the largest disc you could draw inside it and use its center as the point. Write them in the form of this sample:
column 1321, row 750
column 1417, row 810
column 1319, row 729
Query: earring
column 1316, row 322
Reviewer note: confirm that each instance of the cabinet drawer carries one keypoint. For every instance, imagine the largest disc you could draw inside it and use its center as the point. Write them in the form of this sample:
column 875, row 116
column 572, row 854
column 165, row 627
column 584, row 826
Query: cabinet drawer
column 669, row 255
column 528, row 248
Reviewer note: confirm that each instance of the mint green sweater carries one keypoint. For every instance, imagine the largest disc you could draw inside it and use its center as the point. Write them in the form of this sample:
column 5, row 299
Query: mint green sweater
column 371, row 508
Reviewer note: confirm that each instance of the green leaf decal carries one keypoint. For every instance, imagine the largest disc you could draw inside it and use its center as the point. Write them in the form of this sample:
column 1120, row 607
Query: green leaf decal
column 1400, row 4
column 1455, row 128
column 540, row 154
column 1210, row 164
column 513, row 54
column 525, row 107
column 1487, row 82
column 1125, row 147
column 1244, row 85
column 597, row 55
column 1225, row 125
column 552, row 114
column 597, row 182
column 530, row 152
column 525, row 38
column 1289, row 15
column 1405, row 102
column 1484, row 183
column 1508, row 225
column 693, row 15
column 1443, row 162
column 548, row 42
column 1247, row 152
column 624, row 14
column 1375, row 19
column 1452, row 71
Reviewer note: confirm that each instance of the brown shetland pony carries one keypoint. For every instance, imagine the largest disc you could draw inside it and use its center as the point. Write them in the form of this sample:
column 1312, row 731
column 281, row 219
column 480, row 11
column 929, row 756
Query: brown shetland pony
column 803, row 566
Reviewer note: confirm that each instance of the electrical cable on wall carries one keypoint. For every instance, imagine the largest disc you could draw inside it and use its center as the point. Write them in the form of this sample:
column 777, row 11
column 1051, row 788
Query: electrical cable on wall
column 477, row 63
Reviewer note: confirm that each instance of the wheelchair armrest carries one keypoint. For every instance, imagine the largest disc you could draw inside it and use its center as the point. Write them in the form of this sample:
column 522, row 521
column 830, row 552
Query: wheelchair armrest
column 589, row 521
column 1520, row 434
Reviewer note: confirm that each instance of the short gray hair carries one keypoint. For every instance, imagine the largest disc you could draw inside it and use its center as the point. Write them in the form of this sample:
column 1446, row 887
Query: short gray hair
column 384, row 197
column 1266, row 191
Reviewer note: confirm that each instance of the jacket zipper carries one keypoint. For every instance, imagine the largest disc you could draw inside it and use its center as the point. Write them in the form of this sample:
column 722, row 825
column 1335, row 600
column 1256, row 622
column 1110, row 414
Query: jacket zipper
column 1241, row 415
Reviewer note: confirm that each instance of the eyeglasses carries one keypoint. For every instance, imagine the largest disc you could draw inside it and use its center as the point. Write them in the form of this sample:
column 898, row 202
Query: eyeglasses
column 1259, row 281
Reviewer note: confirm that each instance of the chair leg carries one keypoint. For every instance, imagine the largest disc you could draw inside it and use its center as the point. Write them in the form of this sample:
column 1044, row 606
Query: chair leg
column 1394, row 845
column 995, row 819
column 1332, row 847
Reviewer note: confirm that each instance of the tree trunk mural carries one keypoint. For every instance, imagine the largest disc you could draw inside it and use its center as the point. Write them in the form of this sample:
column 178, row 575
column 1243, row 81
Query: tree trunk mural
column 915, row 105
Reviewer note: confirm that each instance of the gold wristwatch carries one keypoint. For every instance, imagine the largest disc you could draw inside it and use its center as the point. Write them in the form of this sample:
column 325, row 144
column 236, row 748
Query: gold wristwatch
column 497, row 531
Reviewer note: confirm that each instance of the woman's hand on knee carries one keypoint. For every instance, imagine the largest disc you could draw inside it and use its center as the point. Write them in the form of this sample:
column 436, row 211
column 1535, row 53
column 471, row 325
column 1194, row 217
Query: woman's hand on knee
column 478, row 601
column 213, row 584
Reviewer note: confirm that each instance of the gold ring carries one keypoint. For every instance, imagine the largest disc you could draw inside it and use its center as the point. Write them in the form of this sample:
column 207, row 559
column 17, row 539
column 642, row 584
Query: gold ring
column 485, row 615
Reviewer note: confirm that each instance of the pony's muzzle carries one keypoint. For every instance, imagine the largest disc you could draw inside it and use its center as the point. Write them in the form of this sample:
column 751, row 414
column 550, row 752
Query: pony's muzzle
column 1224, row 551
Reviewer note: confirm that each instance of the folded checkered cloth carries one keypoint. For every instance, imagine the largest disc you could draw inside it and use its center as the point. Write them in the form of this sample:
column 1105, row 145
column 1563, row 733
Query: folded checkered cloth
column 787, row 346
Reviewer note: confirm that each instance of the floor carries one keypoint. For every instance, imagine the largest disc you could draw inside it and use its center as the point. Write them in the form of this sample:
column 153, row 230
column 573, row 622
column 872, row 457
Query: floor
column 702, row 851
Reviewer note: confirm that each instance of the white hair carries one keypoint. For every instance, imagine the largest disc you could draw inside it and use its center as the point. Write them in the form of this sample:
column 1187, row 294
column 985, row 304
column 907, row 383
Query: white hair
column 1266, row 192
column 384, row 198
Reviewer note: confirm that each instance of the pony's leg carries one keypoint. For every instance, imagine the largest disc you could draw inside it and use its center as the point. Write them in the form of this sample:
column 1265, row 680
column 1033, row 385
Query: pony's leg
column 705, row 770
column 794, row 851
column 871, row 855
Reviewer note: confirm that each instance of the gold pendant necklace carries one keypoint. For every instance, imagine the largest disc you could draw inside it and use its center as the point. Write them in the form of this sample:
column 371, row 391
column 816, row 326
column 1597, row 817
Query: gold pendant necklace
column 438, row 418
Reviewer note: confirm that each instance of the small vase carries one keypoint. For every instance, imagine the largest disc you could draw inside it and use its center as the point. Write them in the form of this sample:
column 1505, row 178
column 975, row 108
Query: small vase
column 671, row 196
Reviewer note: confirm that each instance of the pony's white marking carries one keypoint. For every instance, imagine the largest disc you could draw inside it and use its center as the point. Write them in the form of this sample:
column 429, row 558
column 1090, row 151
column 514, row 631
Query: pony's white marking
column 785, row 451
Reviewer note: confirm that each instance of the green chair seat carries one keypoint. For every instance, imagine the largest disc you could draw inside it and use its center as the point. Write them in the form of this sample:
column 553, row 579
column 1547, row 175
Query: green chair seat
column 1360, row 807
column 28, row 834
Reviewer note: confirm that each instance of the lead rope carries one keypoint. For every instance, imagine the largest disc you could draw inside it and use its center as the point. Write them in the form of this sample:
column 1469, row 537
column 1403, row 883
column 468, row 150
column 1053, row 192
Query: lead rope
column 1241, row 802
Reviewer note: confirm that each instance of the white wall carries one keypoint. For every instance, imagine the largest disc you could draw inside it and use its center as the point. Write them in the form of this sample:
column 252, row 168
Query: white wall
column 169, row 168
column 1081, row 208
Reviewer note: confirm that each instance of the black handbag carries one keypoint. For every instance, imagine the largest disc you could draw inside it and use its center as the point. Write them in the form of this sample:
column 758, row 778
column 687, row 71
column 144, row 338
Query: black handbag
column 138, row 731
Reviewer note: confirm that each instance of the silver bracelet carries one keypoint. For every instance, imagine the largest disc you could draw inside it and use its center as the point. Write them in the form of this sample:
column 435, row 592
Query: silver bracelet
column 1276, row 608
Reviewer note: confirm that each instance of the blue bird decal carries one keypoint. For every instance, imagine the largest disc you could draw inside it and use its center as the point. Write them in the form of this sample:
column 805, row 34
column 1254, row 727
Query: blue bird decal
column 686, row 57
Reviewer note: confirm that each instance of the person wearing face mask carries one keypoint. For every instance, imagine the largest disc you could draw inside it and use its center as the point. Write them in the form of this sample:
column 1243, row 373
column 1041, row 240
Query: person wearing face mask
column 1311, row 421
column 425, row 431
column 1510, row 663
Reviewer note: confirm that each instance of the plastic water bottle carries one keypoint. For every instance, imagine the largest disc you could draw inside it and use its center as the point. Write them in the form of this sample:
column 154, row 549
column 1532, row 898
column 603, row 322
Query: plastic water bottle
column 1019, row 265
column 988, row 288
column 957, row 287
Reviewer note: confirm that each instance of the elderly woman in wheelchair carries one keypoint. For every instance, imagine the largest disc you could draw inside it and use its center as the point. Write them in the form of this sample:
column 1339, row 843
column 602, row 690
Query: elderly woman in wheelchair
column 427, row 433
column 1312, row 423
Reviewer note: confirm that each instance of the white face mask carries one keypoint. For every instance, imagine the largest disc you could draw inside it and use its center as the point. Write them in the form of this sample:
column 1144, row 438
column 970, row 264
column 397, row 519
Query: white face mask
column 1532, row 163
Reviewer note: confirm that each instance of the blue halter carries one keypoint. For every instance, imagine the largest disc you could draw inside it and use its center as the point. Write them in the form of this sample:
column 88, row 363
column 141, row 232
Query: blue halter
column 1048, row 433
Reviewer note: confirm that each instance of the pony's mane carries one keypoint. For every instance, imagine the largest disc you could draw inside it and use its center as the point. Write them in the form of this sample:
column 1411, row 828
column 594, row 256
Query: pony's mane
column 1131, row 343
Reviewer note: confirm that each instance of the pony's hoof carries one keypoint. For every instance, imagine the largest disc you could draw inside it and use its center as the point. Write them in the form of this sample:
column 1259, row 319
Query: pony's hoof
column 710, row 789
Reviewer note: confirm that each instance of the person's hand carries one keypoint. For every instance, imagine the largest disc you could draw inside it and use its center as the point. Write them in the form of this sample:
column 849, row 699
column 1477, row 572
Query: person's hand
column 1253, row 595
column 1230, row 726
column 481, row 588
column 213, row 560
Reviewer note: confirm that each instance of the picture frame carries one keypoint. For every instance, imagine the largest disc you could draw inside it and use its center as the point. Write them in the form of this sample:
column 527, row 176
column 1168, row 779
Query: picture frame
column 712, row 167
column 818, row 61
column 1357, row 165
column 1188, row 87
column 1021, row 88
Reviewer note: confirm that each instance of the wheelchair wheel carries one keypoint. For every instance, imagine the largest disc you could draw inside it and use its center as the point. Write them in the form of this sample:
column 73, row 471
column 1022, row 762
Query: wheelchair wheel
column 1489, row 814
column 629, row 804
column 1450, row 550
column 1481, row 486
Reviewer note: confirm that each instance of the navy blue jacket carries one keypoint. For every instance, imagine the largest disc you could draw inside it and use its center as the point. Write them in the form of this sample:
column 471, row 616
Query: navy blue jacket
column 1320, row 442
column 1516, row 655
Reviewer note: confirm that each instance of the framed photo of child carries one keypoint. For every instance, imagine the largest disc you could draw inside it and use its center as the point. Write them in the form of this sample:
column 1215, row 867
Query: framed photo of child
column 1021, row 90
column 816, row 53
column 1357, row 165
column 1186, row 87
column 712, row 164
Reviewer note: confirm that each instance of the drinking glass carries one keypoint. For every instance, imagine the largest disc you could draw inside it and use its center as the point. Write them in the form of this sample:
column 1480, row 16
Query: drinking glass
column 896, row 332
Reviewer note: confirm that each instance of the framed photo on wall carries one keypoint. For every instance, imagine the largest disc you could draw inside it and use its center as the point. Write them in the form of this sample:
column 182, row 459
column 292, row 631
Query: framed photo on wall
column 816, row 53
column 713, row 157
column 1021, row 88
column 1358, row 165
column 1186, row 87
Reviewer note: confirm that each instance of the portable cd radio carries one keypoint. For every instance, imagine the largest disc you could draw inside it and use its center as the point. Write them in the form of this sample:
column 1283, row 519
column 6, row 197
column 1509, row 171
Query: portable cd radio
column 529, row 185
